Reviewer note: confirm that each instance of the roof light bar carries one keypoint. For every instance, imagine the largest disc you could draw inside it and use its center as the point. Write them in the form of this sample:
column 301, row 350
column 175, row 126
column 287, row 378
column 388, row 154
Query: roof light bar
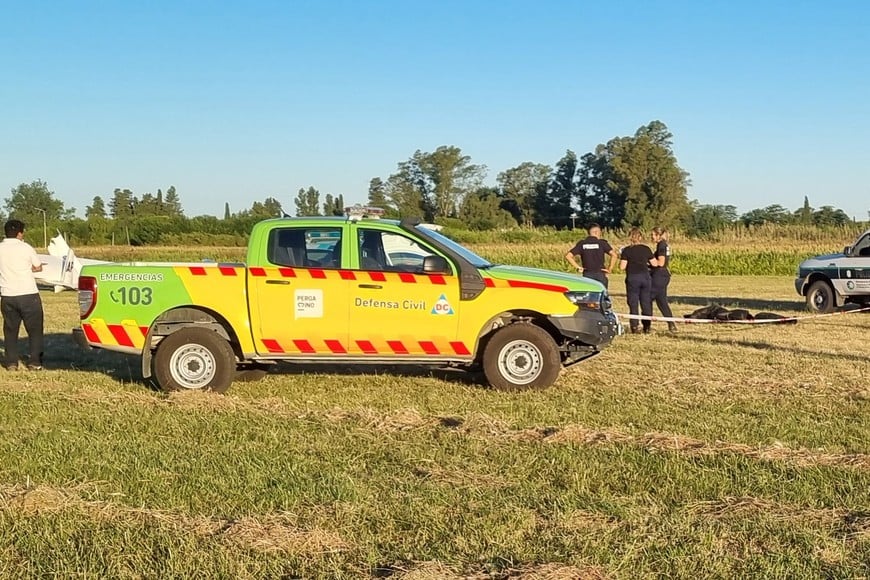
column 357, row 212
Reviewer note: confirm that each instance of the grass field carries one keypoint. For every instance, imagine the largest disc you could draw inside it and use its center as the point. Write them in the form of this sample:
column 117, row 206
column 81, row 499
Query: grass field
column 720, row 451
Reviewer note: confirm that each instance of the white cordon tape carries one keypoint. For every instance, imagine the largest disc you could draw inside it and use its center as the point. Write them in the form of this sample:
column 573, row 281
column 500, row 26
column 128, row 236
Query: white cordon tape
column 716, row 321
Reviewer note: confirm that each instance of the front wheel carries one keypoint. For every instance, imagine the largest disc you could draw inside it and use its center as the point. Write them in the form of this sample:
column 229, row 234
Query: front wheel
column 820, row 297
column 194, row 359
column 521, row 356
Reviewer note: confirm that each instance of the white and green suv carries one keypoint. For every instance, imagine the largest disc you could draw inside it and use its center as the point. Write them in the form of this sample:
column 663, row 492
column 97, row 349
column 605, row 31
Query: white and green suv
column 830, row 281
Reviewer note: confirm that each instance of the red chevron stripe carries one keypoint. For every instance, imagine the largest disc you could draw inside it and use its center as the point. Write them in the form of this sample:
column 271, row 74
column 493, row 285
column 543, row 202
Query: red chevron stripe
column 257, row 271
column 91, row 334
column 272, row 345
column 367, row 347
column 489, row 282
column 287, row 272
column 429, row 347
column 304, row 346
column 347, row 275
column 227, row 270
column 407, row 278
column 377, row 277
column 438, row 279
column 335, row 346
column 197, row 270
column 536, row 286
column 121, row 336
column 397, row 346
column 460, row 348
column 317, row 274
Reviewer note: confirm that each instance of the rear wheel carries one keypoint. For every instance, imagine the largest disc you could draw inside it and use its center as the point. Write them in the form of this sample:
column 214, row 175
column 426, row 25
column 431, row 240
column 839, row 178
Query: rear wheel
column 521, row 356
column 820, row 297
column 194, row 359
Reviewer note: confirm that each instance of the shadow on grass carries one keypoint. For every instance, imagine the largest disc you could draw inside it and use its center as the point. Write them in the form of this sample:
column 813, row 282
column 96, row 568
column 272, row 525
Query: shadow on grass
column 62, row 353
column 448, row 374
column 758, row 345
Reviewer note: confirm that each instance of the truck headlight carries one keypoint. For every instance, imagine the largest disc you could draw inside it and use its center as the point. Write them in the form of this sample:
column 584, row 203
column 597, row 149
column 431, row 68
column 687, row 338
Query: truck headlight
column 585, row 300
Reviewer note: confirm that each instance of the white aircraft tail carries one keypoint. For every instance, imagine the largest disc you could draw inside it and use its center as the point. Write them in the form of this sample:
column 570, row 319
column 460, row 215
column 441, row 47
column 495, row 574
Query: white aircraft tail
column 61, row 267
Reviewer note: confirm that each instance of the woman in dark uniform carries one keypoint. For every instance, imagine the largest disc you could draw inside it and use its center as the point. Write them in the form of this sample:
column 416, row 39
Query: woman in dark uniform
column 660, row 274
column 636, row 260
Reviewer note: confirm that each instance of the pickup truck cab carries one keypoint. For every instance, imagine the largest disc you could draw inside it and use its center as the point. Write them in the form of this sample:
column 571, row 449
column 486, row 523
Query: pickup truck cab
column 833, row 280
column 344, row 290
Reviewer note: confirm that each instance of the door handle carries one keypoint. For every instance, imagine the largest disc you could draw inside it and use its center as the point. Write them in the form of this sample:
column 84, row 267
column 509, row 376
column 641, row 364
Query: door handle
column 282, row 282
column 372, row 286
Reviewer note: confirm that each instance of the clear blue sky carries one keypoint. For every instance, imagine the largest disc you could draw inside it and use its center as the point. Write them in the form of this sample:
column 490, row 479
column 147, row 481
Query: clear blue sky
column 237, row 101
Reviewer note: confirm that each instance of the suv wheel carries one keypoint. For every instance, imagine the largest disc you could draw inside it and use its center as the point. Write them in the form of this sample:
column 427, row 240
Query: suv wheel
column 820, row 297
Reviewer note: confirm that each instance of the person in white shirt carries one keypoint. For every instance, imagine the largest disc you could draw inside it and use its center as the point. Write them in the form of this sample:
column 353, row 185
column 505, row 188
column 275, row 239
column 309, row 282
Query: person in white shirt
column 19, row 296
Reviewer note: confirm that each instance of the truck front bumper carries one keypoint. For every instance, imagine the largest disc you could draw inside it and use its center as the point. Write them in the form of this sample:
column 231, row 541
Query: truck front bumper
column 592, row 328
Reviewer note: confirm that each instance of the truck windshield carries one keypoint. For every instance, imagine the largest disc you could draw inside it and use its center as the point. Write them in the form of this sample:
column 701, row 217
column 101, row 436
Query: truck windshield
column 467, row 254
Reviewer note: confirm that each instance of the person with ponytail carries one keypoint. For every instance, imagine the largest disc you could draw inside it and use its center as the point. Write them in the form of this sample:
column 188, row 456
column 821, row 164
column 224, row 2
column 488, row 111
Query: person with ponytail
column 637, row 259
column 660, row 274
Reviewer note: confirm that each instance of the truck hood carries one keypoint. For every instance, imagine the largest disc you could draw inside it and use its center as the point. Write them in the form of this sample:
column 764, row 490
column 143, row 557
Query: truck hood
column 569, row 281
column 821, row 261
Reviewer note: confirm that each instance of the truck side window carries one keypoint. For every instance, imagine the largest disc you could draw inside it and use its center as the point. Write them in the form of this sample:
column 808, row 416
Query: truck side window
column 286, row 247
column 388, row 251
column 305, row 248
column 371, row 251
column 862, row 247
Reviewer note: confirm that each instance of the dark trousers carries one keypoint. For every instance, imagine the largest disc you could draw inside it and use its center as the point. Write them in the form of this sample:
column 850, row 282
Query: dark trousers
column 638, row 289
column 18, row 309
column 597, row 276
column 660, row 280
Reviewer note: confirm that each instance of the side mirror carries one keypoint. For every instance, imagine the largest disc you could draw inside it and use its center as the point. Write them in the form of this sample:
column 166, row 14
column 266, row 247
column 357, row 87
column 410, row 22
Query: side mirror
column 435, row 265
column 847, row 250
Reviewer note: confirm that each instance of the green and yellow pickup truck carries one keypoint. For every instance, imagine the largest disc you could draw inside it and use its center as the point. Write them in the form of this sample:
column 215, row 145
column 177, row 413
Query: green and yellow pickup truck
column 344, row 290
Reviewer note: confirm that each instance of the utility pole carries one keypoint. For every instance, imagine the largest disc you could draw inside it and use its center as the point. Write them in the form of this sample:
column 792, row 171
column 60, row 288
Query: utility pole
column 44, row 229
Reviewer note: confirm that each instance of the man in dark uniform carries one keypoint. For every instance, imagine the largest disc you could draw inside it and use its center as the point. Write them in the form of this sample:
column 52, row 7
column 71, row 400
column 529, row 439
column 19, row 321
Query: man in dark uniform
column 592, row 251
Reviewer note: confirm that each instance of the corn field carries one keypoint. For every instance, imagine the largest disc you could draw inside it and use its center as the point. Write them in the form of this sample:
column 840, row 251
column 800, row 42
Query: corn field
column 765, row 250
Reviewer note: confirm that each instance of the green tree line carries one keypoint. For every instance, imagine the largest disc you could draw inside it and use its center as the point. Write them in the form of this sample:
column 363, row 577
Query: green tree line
column 627, row 181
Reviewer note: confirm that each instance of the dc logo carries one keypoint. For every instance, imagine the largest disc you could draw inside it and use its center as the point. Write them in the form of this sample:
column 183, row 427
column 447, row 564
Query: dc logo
column 442, row 306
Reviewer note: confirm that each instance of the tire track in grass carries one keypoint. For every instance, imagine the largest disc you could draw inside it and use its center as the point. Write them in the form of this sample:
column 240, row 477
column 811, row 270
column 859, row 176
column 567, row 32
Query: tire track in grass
column 849, row 525
column 267, row 533
column 474, row 425
column 264, row 533
column 437, row 570
column 480, row 425
column 276, row 533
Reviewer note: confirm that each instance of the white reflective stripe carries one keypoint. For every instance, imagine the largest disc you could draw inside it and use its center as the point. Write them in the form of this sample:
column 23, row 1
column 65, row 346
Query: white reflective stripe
column 716, row 320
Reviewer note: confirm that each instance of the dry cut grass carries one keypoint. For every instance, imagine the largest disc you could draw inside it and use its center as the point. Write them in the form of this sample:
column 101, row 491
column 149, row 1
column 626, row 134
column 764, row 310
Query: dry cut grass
column 722, row 450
